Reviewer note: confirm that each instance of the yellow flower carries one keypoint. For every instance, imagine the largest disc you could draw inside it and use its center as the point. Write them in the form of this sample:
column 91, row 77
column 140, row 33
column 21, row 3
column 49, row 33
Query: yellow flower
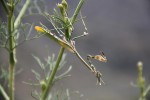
column 39, row 29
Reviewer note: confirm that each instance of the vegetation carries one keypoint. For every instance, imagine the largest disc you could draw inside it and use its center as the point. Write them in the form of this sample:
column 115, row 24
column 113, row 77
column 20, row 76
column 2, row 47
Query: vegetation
column 13, row 34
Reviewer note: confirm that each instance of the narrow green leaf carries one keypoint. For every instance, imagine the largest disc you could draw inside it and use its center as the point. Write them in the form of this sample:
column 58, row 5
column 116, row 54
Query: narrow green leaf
column 77, row 11
column 37, row 75
column 39, row 62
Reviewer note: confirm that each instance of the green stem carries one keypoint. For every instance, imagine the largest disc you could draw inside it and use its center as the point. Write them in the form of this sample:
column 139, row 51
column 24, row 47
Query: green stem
column 142, row 93
column 77, row 11
column 12, row 55
column 22, row 12
column 12, row 28
column 12, row 63
column 50, row 80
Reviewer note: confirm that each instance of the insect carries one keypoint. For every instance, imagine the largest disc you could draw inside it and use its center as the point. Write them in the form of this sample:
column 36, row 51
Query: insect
column 100, row 57
column 71, row 47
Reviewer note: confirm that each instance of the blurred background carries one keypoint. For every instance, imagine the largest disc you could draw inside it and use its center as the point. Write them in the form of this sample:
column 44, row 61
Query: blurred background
column 119, row 28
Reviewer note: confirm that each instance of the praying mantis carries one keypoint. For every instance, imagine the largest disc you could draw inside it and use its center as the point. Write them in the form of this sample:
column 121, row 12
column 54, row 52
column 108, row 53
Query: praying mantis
column 71, row 47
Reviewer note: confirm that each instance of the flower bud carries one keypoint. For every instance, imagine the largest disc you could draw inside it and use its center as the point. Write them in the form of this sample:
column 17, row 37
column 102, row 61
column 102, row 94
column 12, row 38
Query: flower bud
column 60, row 6
column 43, row 85
column 65, row 4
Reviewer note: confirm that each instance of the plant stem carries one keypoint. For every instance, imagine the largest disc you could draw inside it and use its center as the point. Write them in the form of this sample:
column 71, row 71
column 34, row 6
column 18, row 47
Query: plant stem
column 12, row 64
column 22, row 12
column 50, row 80
column 77, row 11
column 12, row 52
column 12, row 29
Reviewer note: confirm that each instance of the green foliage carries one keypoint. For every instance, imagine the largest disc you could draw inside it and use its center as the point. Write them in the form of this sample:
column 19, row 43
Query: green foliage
column 141, row 83
column 47, row 67
column 12, row 34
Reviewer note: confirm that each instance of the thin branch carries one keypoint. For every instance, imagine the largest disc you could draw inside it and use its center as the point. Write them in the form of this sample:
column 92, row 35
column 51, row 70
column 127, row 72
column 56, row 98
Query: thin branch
column 21, row 13
column 55, row 27
column 35, row 37
column 32, row 84
column 30, row 30
column 4, row 93
column 64, row 74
